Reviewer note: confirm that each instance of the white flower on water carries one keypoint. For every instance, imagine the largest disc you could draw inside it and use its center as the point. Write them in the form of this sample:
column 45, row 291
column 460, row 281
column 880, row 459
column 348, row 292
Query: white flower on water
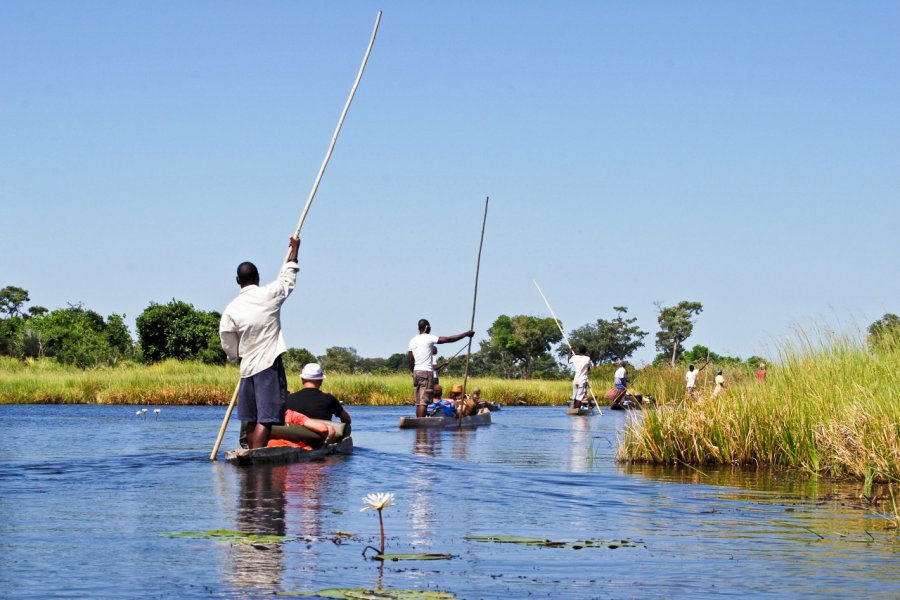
column 378, row 501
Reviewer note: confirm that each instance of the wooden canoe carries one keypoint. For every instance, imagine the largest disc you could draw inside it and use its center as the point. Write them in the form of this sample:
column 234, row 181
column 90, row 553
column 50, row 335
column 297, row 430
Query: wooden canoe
column 286, row 454
column 635, row 402
column 584, row 411
column 444, row 422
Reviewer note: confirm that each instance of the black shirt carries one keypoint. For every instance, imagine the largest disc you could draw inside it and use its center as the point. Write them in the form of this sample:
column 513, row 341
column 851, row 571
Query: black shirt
column 315, row 404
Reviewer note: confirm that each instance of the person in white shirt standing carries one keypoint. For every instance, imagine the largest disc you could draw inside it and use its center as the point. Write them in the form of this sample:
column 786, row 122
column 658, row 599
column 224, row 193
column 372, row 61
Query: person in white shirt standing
column 250, row 330
column 421, row 362
column 581, row 362
column 690, row 379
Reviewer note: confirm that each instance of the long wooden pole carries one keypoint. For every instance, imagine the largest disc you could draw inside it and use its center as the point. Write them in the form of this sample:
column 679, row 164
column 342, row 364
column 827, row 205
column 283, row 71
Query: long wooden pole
column 541, row 292
column 312, row 194
column 475, row 298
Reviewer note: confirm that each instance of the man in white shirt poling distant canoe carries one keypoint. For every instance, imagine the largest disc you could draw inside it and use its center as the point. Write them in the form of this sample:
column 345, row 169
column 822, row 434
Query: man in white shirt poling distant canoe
column 421, row 362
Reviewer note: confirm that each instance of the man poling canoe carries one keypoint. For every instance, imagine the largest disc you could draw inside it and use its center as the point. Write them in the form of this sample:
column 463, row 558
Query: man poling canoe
column 250, row 330
column 420, row 355
column 309, row 200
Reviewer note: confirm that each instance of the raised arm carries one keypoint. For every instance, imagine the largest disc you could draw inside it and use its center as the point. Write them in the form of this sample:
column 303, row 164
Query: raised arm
column 455, row 338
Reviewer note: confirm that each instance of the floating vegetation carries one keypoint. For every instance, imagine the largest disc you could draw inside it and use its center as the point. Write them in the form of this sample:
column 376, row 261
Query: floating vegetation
column 228, row 535
column 364, row 594
column 577, row 545
column 396, row 557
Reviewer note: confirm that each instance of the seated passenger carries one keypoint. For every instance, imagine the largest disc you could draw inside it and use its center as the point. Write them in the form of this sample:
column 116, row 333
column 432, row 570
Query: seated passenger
column 313, row 402
column 440, row 407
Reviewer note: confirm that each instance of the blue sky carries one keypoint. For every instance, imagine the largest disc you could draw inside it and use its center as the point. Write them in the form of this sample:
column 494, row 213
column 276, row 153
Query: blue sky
column 743, row 155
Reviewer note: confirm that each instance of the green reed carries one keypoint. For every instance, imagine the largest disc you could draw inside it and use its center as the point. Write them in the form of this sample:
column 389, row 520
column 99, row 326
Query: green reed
column 829, row 406
column 187, row 383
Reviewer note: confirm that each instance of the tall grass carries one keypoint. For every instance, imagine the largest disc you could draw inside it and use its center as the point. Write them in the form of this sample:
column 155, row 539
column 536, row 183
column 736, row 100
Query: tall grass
column 830, row 406
column 185, row 383
column 170, row 382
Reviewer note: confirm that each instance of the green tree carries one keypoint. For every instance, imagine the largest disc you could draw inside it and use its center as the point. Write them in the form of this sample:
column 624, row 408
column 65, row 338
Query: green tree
column 338, row 359
column 884, row 332
column 675, row 326
column 36, row 311
column 76, row 335
column 698, row 355
column 522, row 342
column 11, row 332
column 397, row 362
column 296, row 358
column 12, row 299
column 608, row 341
column 177, row 330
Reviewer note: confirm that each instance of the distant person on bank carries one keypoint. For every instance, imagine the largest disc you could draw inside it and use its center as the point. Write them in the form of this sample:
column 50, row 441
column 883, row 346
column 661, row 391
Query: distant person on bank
column 421, row 362
column 720, row 384
column 250, row 330
column 313, row 402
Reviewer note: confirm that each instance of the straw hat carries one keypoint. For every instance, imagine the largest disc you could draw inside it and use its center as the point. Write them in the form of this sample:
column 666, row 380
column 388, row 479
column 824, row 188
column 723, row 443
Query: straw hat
column 456, row 389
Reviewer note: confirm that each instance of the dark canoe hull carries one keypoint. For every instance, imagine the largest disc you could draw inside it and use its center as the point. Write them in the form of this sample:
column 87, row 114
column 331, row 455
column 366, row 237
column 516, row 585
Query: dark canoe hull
column 444, row 422
column 286, row 454
column 581, row 412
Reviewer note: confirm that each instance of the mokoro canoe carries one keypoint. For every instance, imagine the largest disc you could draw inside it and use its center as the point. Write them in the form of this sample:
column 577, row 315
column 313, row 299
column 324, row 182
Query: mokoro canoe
column 286, row 454
column 444, row 422
column 583, row 411
column 635, row 402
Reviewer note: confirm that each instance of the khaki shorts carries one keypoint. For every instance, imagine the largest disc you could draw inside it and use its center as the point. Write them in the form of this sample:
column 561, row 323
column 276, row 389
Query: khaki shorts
column 423, row 384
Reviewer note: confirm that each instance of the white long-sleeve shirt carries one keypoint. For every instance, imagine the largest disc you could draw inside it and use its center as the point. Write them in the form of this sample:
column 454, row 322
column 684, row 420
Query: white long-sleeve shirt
column 250, row 328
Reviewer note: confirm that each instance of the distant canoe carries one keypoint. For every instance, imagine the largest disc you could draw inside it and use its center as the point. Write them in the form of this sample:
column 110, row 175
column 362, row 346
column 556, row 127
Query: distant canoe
column 583, row 411
column 286, row 454
column 444, row 422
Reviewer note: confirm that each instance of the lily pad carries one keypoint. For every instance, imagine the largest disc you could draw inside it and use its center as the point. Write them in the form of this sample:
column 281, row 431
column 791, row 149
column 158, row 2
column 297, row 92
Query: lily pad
column 576, row 545
column 365, row 594
column 396, row 557
column 228, row 535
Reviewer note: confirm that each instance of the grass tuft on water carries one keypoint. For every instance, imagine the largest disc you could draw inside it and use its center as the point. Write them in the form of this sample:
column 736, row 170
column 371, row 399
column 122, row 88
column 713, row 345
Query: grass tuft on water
column 829, row 406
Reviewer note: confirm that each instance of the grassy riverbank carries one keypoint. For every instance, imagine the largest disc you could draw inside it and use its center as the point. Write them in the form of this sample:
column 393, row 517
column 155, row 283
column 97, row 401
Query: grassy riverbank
column 830, row 409
column 184, row 383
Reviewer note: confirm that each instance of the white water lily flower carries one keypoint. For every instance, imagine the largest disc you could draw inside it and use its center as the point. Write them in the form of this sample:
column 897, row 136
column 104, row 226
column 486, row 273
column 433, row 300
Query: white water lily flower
column 378, row 501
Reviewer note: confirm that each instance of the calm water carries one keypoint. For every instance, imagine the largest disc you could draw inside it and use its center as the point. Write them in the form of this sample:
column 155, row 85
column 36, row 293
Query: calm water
column 88, row 492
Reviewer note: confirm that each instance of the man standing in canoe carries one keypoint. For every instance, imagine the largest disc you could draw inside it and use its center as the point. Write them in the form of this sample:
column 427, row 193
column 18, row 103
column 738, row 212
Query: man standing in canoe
column 250, row 331
column 581, row 363
column 421, row 362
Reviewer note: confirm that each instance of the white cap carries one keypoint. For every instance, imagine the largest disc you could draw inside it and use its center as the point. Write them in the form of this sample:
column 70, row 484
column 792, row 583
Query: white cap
column 312, row 372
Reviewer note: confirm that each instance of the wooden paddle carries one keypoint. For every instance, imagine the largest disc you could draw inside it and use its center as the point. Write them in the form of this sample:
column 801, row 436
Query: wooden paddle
column 309, row 200
column 541, row 292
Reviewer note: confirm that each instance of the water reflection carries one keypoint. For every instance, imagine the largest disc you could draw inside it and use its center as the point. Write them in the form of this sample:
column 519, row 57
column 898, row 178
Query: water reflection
column 580, row 444
column 427, row 442
column 260, row 511
column 461, row 439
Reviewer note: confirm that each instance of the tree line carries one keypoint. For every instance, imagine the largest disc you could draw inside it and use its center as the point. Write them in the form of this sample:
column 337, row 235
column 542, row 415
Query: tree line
column 517, row 346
